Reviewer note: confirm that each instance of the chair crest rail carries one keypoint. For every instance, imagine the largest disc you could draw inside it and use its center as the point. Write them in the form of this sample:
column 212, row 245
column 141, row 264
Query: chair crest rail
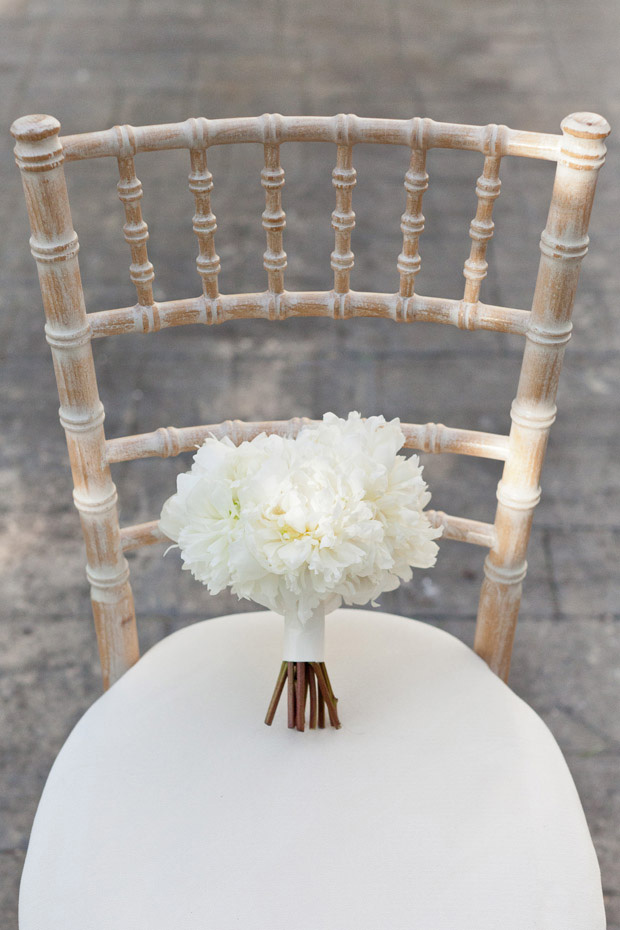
column 342, row 129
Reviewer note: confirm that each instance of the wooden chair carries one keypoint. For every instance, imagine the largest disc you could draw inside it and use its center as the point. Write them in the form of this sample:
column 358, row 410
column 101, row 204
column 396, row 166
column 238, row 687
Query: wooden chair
column 444, row 801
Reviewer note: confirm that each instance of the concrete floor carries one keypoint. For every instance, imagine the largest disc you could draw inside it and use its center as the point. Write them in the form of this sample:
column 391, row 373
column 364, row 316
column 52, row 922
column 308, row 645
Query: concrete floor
column 526, row 64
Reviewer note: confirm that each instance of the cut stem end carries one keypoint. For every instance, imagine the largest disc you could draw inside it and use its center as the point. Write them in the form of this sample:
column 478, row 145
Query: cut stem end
column 305, row 678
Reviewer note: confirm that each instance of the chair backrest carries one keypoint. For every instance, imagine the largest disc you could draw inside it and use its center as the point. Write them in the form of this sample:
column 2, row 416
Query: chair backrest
column 40, row 153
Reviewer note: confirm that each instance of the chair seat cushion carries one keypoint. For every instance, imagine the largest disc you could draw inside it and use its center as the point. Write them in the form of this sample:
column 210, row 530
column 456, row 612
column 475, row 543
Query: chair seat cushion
column 443, row 802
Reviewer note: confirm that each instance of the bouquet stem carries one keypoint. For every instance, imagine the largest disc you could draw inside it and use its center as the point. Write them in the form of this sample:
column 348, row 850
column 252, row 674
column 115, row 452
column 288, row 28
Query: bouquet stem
column 305, row 679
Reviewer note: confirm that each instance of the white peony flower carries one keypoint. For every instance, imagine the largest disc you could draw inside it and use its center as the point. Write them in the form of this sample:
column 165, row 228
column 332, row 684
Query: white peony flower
column 296, row 524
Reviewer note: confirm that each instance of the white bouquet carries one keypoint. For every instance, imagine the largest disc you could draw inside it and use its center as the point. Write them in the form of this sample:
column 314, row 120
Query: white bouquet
column 301, row 525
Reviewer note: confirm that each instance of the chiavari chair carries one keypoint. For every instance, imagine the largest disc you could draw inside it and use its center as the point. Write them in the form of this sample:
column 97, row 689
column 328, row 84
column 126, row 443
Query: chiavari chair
column 443, row 803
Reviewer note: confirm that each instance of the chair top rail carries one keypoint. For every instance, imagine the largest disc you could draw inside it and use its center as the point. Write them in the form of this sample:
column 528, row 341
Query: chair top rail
column 342, row 129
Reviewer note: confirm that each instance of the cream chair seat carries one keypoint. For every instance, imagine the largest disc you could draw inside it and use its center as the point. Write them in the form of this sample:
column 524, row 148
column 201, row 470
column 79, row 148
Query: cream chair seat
column 444, row 801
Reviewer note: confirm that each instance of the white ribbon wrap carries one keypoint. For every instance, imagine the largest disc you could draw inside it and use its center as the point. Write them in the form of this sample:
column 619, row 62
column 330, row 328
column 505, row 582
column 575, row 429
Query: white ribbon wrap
column 305, row 642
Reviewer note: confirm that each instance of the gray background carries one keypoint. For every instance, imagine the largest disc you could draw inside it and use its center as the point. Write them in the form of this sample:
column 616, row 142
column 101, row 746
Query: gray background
column 526, row 64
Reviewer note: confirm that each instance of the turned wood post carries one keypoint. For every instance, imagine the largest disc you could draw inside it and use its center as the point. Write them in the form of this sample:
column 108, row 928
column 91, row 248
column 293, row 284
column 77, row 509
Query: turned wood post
column 564, row 242
column 343, row 218
column 274, row 217
column 54, row 245
column 412, row 223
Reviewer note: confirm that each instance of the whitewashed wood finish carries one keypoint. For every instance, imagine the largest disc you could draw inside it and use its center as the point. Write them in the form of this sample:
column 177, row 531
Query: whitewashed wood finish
column 54, row 245
column 481, row 228
column 343, row 129
column 274, row 217
column 135, row 229
column 203, row 222
column 564, row 243
column 343, row 218
column 412, row 223
column 579, row 153
column 269, row 306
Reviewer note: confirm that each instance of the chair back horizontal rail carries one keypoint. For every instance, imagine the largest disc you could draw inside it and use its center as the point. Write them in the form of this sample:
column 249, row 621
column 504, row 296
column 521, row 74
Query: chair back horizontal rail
column 167, row 442
column 342, row 129
column 269, row 306
column 459, row 529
